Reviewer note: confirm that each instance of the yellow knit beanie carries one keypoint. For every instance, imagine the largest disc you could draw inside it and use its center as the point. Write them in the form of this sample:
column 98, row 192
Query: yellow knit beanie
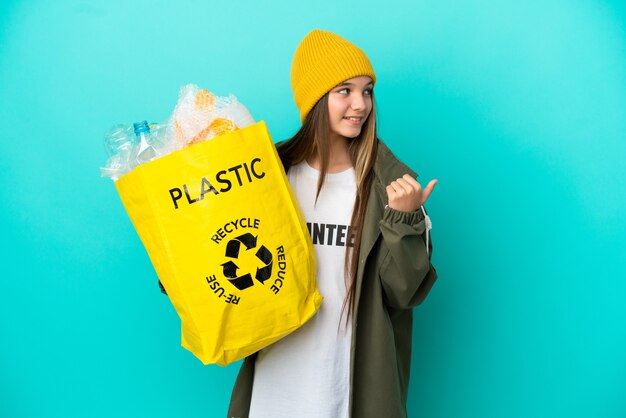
column 323, row 60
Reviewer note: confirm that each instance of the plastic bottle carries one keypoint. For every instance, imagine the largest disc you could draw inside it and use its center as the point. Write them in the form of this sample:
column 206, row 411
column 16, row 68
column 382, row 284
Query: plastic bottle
column 119, row 139
column 159, row 139
column 119, row 143
column 145, row 152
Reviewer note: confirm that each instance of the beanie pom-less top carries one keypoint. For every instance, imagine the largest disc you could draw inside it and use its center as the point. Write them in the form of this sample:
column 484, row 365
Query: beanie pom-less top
column 323, row 60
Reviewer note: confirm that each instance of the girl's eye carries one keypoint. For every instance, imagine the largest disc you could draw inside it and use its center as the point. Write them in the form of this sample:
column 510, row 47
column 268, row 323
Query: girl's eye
column 367, row 92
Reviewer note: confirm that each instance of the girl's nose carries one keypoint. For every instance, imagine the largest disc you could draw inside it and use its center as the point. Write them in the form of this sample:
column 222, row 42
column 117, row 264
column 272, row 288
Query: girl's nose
column 358, row 101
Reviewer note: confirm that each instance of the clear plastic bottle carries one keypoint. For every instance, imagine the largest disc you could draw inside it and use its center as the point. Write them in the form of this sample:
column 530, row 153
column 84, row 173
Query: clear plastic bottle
column 145, row 152
column 159, row 139
column 119, row 139
column 119, row 143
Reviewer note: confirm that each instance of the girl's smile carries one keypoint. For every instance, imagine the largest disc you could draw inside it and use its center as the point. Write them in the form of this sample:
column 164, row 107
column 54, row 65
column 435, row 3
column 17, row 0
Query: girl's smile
column 354, row 121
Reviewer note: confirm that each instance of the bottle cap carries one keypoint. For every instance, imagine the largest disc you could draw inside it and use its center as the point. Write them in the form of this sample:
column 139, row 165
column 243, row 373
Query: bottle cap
column 141, row 127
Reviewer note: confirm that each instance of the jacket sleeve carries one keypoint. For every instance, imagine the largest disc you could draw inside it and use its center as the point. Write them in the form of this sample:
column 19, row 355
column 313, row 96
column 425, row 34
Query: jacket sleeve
column 406, row 272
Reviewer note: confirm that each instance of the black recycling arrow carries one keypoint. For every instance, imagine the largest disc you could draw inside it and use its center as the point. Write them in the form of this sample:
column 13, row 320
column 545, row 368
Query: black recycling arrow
column 242, row 282
column 264, row 273
column 232, row 247
column 264, row 255
column 248, row 240
column 230, row 269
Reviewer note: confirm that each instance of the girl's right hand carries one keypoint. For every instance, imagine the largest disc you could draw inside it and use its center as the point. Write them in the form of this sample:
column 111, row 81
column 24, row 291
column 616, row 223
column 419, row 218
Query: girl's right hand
column 406, row 194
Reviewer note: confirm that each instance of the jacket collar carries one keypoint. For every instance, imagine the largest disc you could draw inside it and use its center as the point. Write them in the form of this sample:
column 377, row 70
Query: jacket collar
column 387, row 167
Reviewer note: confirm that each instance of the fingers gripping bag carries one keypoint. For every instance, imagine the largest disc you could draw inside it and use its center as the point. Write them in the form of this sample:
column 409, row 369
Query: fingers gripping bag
column 228, row 242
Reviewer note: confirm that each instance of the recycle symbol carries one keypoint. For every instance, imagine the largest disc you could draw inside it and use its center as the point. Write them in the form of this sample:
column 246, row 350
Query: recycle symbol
column 230, row 268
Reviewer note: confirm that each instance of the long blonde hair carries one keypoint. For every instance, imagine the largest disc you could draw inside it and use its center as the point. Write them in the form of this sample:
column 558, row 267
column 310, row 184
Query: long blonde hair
column 314, row 138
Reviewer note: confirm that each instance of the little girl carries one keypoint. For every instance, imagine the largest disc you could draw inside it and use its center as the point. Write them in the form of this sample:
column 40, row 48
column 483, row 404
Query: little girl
column 364, row 209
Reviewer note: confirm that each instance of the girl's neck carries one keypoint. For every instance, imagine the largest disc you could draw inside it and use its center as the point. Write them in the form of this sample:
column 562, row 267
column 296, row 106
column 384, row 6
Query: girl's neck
column 338, row 158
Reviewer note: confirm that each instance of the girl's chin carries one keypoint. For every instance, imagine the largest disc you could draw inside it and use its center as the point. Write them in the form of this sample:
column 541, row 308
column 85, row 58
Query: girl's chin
column 353, row 134
column 350, row 131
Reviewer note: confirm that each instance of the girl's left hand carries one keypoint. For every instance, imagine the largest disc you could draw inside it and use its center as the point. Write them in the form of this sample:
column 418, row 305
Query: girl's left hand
column 406, row 194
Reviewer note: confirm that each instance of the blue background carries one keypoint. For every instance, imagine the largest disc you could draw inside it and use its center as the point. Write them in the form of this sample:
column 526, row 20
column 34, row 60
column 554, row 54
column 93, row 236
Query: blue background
column 518, row 108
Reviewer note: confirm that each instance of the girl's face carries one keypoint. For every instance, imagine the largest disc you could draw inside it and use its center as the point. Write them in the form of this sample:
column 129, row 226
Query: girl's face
column 349, row 105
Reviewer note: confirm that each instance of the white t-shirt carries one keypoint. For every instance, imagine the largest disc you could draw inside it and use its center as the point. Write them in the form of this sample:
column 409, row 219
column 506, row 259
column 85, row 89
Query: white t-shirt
column 307, row 373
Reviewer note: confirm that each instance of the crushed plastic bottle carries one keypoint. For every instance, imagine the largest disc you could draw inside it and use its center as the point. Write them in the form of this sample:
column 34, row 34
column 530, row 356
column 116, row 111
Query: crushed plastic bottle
column 131, row 145
column 119, row 139
column 144, row 151
column 160, row 140
column 119, row 143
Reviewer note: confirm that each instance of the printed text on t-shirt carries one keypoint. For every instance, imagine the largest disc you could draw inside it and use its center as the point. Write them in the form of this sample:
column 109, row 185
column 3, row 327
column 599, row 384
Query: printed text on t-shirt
column 331, row 234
